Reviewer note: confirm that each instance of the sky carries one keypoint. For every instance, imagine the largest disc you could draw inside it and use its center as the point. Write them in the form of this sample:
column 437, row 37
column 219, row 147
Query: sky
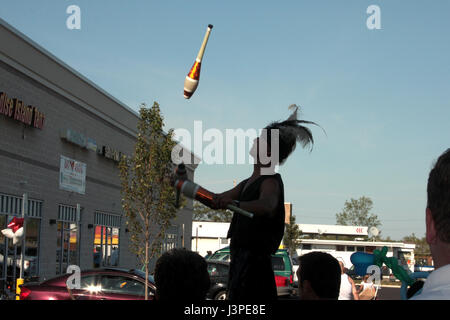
column 382, row 95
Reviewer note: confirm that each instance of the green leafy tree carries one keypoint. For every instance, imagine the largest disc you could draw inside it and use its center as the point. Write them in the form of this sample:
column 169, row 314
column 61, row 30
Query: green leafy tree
column 147, row 191
column 292, row 234
column 422, row 248
column 204, row 213
column 358, row 213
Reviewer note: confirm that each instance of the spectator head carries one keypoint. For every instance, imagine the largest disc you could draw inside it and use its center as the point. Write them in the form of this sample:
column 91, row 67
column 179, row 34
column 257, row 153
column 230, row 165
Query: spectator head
column 319, row 277
column 181, row 275
column 438, row 210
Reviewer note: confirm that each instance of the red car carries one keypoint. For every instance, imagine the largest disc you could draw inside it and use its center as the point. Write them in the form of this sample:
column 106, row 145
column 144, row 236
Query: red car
column 97, row 284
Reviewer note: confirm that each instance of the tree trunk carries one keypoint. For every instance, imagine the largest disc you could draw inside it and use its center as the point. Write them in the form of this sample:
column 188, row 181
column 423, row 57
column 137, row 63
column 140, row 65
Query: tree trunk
column 146, row 269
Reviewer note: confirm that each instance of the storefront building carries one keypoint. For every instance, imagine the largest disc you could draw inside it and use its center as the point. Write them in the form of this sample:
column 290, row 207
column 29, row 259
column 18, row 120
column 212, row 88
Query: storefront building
column 61, row 139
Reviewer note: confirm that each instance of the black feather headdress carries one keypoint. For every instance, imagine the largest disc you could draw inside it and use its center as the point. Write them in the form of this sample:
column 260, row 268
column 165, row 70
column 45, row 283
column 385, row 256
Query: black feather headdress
column 290, row 132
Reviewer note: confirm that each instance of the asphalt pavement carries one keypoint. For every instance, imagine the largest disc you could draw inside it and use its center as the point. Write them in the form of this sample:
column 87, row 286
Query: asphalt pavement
column 389, row 293
column 385, row 293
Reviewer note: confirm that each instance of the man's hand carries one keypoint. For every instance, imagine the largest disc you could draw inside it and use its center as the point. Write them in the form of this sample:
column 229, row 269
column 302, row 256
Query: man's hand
column 221, row 201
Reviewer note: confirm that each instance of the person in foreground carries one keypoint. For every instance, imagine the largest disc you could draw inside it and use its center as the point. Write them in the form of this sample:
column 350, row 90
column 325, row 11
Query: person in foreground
column 181, row 275
column 367, row 290
column 348, row 289
column 437, row 285
column 319, row 277
column 254, row 240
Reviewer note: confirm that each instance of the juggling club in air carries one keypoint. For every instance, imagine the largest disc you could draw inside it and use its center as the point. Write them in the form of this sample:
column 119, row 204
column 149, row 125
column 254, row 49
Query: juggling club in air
column 193, row 77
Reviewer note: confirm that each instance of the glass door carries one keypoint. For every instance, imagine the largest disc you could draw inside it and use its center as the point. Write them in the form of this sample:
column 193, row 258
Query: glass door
column 67, row 246
column 3, row 254
column 106, row 246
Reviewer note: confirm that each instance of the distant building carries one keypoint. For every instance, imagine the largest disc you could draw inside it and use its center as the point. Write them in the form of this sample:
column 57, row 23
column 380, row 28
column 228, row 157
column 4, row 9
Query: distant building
column 343, row 249
column 287, row 212
column 62, row 137
column 211, row 236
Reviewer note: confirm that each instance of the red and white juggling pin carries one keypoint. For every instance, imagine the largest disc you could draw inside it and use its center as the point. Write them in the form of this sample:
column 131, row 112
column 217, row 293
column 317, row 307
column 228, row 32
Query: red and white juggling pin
column 193, row 77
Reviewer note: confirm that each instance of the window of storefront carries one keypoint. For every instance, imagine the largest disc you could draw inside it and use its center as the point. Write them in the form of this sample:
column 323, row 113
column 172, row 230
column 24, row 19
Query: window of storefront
column 10, row 255
column 67, row 238
column 171, row 238
column 370, row 249
column 106, row 239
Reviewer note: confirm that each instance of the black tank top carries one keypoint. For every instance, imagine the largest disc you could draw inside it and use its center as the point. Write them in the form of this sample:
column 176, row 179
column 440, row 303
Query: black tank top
column 259, row 234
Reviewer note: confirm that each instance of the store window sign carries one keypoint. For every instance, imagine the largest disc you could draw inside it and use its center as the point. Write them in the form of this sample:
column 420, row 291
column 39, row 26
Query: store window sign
column 72, row 175
column 17, row 110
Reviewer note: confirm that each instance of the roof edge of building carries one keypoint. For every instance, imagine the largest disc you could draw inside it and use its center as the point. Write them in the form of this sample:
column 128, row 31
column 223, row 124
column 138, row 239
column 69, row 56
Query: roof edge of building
column 51, row 83
column 64, row 65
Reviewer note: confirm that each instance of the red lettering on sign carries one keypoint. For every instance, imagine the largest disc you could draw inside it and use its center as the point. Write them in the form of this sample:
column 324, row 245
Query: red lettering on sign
column 16, row 109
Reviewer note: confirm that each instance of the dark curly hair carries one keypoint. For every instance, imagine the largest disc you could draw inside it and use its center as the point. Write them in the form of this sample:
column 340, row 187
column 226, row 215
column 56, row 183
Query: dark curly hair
column 438, row 192
column 181, row 275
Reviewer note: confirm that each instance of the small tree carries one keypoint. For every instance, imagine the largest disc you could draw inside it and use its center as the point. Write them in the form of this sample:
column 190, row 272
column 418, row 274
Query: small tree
column 292, row 234
column 204, row 213
column 357, row 213
column 147, row 192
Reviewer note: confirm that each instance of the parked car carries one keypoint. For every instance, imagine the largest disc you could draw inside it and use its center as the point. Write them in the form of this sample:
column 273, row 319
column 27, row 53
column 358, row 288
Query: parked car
column 281, row 264
column 221, row 255
column 97, row 284
column 422, row 268
column 284, row 273
column 218, row 275
column 295, row 265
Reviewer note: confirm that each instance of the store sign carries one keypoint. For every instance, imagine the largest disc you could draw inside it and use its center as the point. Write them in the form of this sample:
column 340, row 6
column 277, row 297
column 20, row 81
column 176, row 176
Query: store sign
column 110, row 153
column 72, row 175
column 74, row 137
column 82, row 141
column 91, row 144
column 78, row 139
column 17, row 110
